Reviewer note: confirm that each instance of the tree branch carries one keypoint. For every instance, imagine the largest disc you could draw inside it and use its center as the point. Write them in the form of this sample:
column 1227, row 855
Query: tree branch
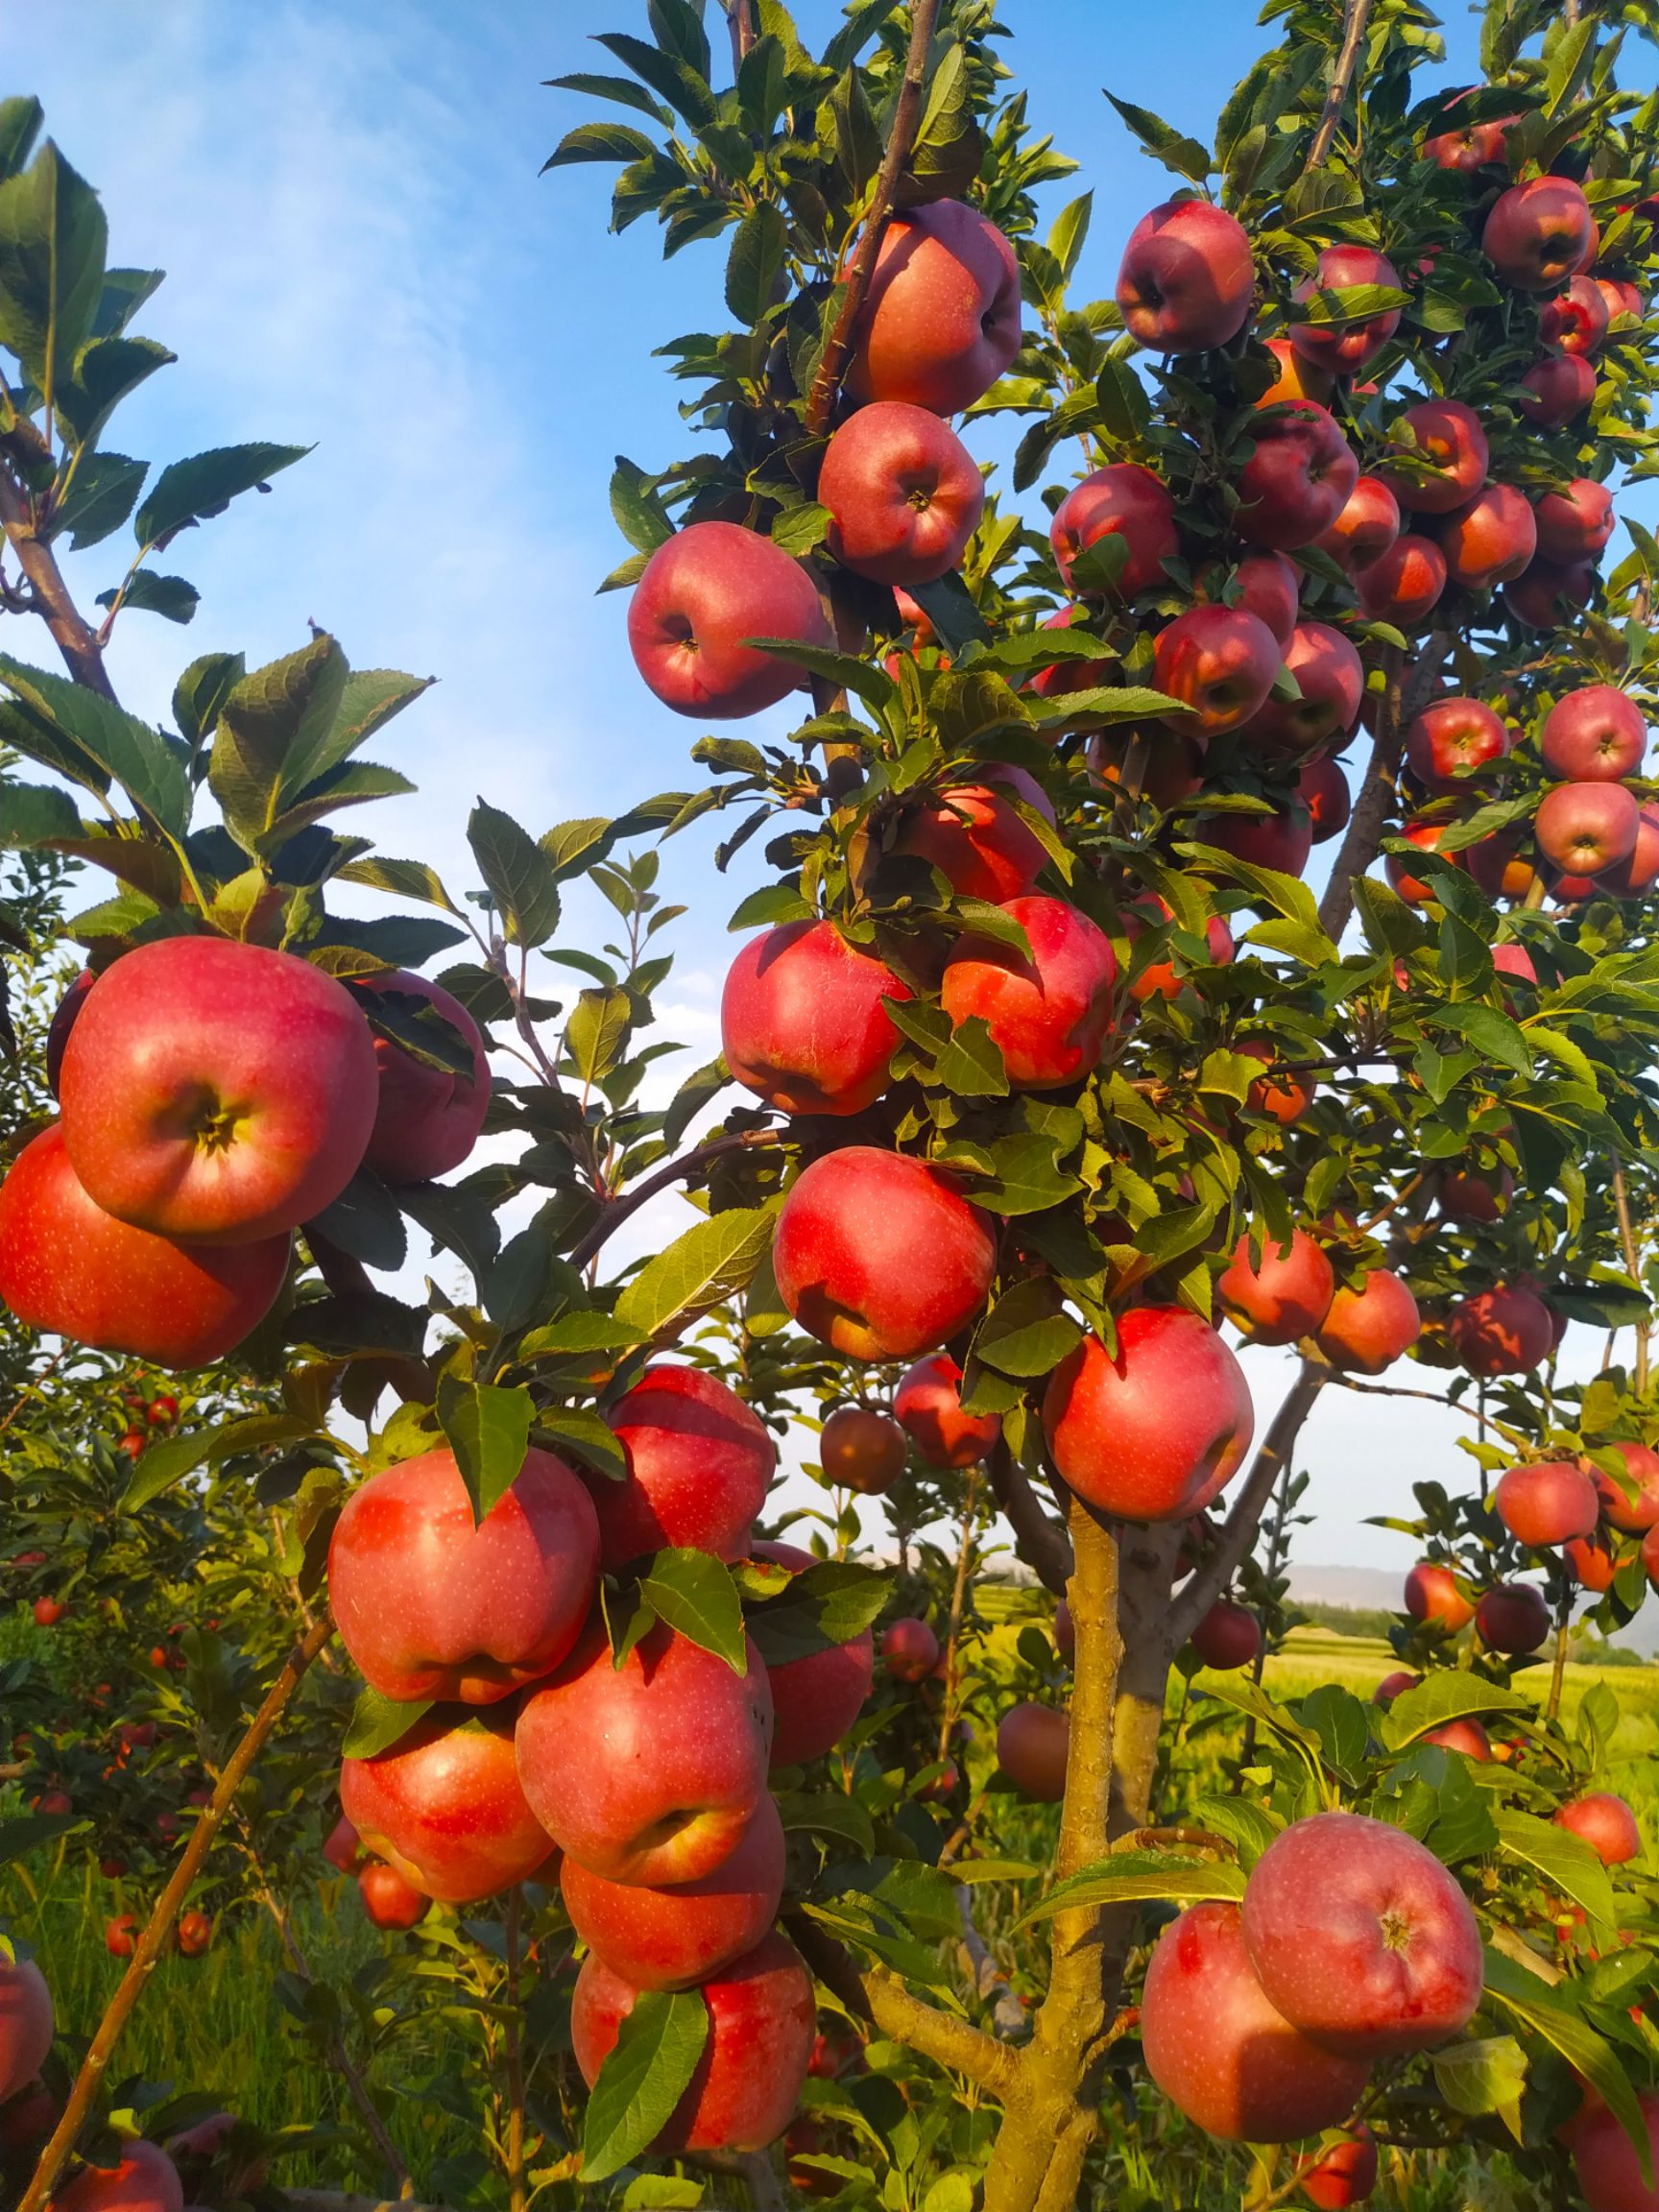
column 874, row 1994
column 906, row 115
column 990, row 1983
column 618, row 1210
column 1042, row 1543
column 163, row 1914
column 1402, row 698
column 74, row 636
column 1355, row 13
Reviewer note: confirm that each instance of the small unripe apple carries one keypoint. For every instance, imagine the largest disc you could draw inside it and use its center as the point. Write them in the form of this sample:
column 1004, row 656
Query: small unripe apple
column 910, row 1650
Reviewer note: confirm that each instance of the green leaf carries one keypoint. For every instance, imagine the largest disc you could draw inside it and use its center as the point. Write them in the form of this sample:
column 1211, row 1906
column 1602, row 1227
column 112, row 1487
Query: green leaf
column 371, row 698
column 636, row 508
column 521, row 877
column 173, row 597
column 686, row 90
column 868, row 683
column 600, row 142
column 694, row 1593
column 106, row 371
column 579, row 1429
column 1023, row 1334
column 488, row 1429
column 771, row 903
column 378, row 1721
column 1446, row 1694
column 1565, row 1861
column 1124, row 401
column 622, row 89
column 272, row 713
column 165, row 1463
column 28, row 1831
column 647, row 2071
column 1184, row 155
column 1485, row 2075
column 20, row 119
column 971, row 1063
column 53, row 238
column 758, row 258
column 1250, row 1828
column 1493, row 1034
column 403, row 879
column 948, row 605
column 710, row 1260
column 99, row 500
column 193, row 490
column 1071, row 228
column 704, row 1084
column 125, row 291
column 35, row 814
column 89, row 739
column 1125, row 1877
column 1544, row 2010
column 800, row 529
column 1026, row 1177
column 828, row 1603
column 597, row 1032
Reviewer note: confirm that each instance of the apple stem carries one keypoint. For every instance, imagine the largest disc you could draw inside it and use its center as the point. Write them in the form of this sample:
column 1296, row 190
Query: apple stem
column 906, row 116
column 163, row 1914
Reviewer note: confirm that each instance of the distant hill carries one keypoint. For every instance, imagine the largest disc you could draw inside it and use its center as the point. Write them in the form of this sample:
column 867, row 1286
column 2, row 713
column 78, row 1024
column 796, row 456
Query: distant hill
column 1368, row 1590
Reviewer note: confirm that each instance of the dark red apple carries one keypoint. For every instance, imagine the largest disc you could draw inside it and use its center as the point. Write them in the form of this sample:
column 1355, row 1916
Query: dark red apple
column 1281, row 840
column 215, row 1092
column 342, row 1846
column 704, row 595
column 1362, row 1939
column 878, row 1255
column 426, row 1118
column 1048, row 1011
column 910, row 1650
column 1490, row 540
column 1404, row 584
column 650, row 1771
column 1367, row 525
column 1345, row 348
column 815, row 1699
column 1553, row 391
column 1298, row 480
column 1286, row 1297
column 929, row 1408
column 1332, row 681
column 977, row 841
column 1394, row 1686
column 1546, row 1502
column 1550, row 593
column 941, row 320
column 64, row 1016
column 1127, row 501
column 1323, row 789
column 699, row 1462
column 1157, row 1432
column 1466, row 1197
column 803, row 1019
column 26, row 2024
column 1604, row 2159
column 443, row 1806
column 1504, row 1331
column 1220, row 662
column 1228, row 1637
column 1540, row 233
column 1448, row 450
column 1032, row 1743
column 1595, row 734
column 430, row 1606
column 1222, row 2053
column 67, row 1269
column 1370, row 1325
column 1513, row 1617
column 862, row 1448
column 661, row 1938
column 1451, row 740
column 1575, row 525
column 1187, row 277
column 905, row 495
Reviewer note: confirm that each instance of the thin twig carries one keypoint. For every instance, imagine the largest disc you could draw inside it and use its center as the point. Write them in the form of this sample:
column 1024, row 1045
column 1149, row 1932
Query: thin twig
column 73, row 636
column 1041, row 1542
column 877, row 1995
column 1341, row 78
column 618, row 1210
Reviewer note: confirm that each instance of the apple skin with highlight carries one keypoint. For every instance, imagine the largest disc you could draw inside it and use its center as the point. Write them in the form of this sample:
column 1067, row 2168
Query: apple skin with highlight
column 1048, row 1011
column 815, row 1699
column 443, row 1806
column 977, row 840
column 1606, row 1823
column 1540, row 233
column 1432, row 1595
column 703, row 594
column 669, row 1938
column 909, row 1649
column 1595, row 734
column 1187, row 277
column 1633, row 1515
column 903, row 493
column 804, row 1020
column 1298, row 480
column 1123, row 500
column 1033, row 1743
column 941, row 320
column 1604, row 2158
column 699, row 1462
column 1404, row 584
column 1220, row 662
column 1367, row 1329
column 1447, row 437
column 927, row 1406
column 1284, row 1299
column 1546, row 1502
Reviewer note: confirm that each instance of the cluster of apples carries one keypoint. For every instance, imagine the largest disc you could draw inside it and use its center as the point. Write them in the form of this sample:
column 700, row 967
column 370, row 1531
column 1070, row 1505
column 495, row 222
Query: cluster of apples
column 28, row 2111
column 643, row 1783
column 1352, row 1945
column 214, row 1098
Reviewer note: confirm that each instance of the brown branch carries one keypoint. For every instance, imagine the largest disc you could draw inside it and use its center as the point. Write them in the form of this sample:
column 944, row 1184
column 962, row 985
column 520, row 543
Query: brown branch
column 73, row 636
column 1355, row 13
column 874, row 1994
column 906, row 116
column 1042, row 1543
column 163, row 1914
column 1207, row 1581
column 741, row 24
column 1401, row 699
column 618, row 1210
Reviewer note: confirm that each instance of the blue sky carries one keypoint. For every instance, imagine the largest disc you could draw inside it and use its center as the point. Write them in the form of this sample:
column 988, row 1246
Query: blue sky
column 360, row 254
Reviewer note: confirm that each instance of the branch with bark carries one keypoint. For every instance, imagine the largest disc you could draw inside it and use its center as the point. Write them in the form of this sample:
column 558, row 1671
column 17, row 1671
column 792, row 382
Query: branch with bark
column 874, row 1994
column 1040, row 1541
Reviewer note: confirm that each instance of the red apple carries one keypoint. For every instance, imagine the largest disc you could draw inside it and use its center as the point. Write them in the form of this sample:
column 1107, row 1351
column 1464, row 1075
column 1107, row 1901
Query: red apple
column 216, row 1091
column 1161, row 979
column 929, row 1408
column 1550, row 593
column 1650, row 1556
column 1167, row 767
column 1346, row 348
column 705, row 593
column 1432, row 1595
column 1576, row 320
column 1228, row 1637
column 1595, row 734
column 660, row 1938
column 1332, row 682
column 195, row 1934
column 1606, row 1823
column 48, row 1612
column 1394, row 1686
column 650, row 1771
column 699, row 1462
column 1575, row 526
column 144, row 2179
column 1283, row 1094
column 443, row 1806
column 1286, row 1297
column 1465, row 1737
column 120, row 1935
column 977, row 841
column 1584, row 828
column 1451, row 740
column 1345, row 2174
column 761, row 2023
column 803, row 1019
column 1281, row 840
column 1490, row 540
column 1592, row 1564
column 1444, row 441
column 1464, row 1196
column 1604, row 2159
column 1369, row 1327
column 1156, row 1433
column 1514, row 960
column 1540, row 233
column 1298, row 480
column 1513, row 1617
column 1634, row 1509
column 28, row 2119
column 426, row 1119
column 1404, row 584
column 69, row 1269
column 343, row 1847
column 941, row 320
column 1219, row 662
column 26, row 2024
column 1468, row 146
column 1296, row 378
column 1064, row 1633
column 430, row 1606
column 1323, row 789
column 1553, row 391
column 1219, row 2051
column 1032, row 1742
column 910, row 1650
column 862, row 1448
column 1546, row 1502
column 878, row 1255
column 389, row 1898
column 1362, row 1939
column 905, row 495
column 1367, row 525
column 1504, row 1331
column 1266, row 585
column 1619, row 297
column 1047, row 1012
column 1187, row 279
column 1127, row 501
column 815, row 1699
